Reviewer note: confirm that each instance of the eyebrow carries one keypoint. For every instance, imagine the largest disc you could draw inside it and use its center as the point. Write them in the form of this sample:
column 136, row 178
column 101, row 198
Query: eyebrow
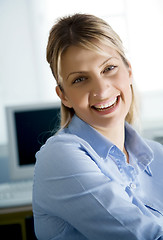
column 107, row 60
column 82, row 72
column 77, row 72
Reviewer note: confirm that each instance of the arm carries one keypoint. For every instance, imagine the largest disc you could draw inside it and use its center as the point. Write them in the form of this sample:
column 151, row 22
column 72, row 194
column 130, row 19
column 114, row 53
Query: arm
column 77, row 191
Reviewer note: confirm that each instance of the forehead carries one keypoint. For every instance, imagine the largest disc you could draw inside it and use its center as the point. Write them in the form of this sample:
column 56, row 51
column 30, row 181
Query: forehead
column 93, row 50
column 80, row 58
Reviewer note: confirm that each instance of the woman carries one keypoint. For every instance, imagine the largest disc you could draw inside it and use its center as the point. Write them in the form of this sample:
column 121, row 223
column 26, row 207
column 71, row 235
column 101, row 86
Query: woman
column 97, row 178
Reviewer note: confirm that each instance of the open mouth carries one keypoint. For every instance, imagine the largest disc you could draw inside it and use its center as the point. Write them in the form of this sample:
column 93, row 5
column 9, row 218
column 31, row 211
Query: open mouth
column 106, row 106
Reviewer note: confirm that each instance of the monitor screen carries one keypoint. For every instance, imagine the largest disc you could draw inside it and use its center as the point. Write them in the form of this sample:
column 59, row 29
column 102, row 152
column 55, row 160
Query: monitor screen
column 28, row 129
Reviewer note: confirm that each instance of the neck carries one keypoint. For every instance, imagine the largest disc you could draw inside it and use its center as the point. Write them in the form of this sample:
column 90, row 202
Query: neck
column 116, row 134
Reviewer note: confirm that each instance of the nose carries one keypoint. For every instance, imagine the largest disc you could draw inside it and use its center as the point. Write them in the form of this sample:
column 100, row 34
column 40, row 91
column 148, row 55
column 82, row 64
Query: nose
column 100, row 87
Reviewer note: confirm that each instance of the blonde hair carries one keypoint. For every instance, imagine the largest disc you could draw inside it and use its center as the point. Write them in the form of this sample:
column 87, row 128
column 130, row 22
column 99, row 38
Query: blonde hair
column 82, row 30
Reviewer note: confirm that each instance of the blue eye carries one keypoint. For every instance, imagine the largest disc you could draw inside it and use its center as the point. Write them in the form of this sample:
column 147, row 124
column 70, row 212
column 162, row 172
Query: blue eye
column 79, row 79
column 109, row 68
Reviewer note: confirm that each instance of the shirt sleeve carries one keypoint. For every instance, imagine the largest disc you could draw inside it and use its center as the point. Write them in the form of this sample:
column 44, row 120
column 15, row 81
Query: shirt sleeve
column 72, row 187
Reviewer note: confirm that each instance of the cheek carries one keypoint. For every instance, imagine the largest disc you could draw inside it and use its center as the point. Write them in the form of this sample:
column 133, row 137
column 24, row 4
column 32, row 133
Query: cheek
column 124, row 79
column 124, row 86
column 77, row 98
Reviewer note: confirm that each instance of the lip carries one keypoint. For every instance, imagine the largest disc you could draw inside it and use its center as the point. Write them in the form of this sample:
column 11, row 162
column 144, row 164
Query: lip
column 107, row 110
column 105, row 104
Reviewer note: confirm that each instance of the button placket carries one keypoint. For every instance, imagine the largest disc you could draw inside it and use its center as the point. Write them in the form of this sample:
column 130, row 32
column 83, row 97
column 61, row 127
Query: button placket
column 132, row 185
column 126, row 170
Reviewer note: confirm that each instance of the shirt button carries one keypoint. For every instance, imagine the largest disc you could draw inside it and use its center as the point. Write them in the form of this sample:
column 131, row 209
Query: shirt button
column 133, row 185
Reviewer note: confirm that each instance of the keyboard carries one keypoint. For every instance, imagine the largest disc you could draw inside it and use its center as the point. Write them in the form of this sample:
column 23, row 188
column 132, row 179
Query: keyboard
column 16, row 193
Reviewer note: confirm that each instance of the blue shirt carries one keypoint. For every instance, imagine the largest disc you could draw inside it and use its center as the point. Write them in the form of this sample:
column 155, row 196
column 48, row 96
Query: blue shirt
column 85, row 189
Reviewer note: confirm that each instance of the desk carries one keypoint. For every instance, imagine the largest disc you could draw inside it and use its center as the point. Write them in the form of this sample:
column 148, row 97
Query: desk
column 17, row 223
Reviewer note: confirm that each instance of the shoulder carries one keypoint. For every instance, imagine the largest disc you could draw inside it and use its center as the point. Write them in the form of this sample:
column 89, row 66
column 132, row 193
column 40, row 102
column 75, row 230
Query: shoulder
column 64, row 155
column 62, row 147
column 157, row 163
column 156, row 147
column 59, row 142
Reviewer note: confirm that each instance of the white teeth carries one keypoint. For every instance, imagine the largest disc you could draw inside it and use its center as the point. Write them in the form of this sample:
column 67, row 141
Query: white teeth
column 102, row 106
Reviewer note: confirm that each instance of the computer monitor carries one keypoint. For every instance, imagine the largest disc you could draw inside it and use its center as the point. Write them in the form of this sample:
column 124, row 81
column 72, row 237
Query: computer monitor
column 29, row 126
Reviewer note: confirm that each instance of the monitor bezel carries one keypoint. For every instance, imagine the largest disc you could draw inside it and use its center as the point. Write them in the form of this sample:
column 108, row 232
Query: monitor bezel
column 20, row 172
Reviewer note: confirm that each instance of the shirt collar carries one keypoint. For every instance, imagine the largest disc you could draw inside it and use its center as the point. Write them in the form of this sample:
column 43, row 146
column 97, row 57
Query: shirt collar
column 134, row 143
column 97, row 141
column 138, row 147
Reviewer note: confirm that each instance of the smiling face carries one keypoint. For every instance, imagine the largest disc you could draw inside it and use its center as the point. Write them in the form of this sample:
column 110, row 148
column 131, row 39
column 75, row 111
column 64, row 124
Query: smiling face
column 96, row 86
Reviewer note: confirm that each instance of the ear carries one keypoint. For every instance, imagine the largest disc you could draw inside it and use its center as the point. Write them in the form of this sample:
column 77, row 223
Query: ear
column 62, row 96
column 130, row 72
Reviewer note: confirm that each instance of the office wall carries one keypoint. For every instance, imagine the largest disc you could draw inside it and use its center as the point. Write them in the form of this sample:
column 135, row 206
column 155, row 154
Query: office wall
column 22, row 58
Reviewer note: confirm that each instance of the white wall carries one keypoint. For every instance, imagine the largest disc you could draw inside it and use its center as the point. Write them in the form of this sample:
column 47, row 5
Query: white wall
column 22, row 75
column 145, row 33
